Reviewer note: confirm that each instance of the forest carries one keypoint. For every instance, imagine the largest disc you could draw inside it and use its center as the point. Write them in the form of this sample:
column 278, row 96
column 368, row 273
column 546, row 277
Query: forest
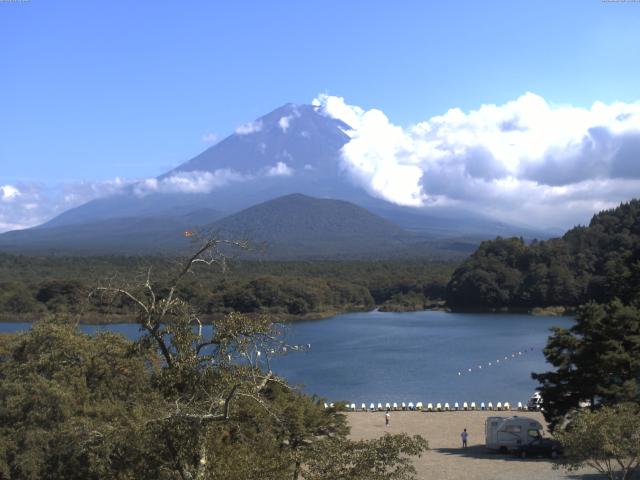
column 598, row 262
column 32, row 286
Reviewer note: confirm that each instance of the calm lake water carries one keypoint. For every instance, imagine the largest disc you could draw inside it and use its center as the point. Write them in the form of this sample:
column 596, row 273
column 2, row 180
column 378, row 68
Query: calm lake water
column 416, row 356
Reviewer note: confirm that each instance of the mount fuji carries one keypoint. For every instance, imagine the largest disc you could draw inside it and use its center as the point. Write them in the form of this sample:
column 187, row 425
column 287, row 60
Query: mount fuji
column 292, row 155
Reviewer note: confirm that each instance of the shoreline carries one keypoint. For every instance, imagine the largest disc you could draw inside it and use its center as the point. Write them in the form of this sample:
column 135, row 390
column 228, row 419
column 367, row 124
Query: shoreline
column 112, row 319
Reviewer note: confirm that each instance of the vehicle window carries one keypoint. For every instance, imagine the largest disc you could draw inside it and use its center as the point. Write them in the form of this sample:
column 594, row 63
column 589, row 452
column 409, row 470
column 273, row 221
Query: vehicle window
column 534, row 433
column 513, row 428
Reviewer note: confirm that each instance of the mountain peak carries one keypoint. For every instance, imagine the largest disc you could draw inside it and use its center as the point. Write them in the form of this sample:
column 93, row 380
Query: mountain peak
column 296, row 135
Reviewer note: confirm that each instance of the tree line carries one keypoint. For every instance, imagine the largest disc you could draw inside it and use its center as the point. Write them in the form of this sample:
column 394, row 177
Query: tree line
column 31, row 287
column 598, row 262
column 177, row 404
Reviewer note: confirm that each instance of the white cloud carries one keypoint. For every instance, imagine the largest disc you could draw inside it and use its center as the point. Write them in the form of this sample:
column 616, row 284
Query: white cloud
column 248, row 128
column 210, row 137
column 504, row 159
column 283, row 123
column 189, row 182
column 9, row 193
column 31, row 204
column 280, row 169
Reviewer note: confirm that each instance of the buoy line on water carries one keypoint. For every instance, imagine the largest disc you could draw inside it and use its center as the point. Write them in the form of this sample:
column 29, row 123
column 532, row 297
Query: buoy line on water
column 496, row 363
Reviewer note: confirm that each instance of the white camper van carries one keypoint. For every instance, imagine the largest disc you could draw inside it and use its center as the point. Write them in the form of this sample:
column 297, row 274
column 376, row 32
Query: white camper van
column 510, row 434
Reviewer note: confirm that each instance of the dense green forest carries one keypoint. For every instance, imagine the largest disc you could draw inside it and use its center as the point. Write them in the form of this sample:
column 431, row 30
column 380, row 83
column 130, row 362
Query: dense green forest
column 178, row 403
column 598, row 262
column 32, row 286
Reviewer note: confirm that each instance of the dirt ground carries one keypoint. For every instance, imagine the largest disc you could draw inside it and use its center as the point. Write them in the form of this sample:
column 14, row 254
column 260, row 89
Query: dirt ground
column 446, row 460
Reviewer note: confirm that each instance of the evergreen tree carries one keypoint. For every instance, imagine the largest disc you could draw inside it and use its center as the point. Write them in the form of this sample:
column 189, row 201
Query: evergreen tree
column 597, row 361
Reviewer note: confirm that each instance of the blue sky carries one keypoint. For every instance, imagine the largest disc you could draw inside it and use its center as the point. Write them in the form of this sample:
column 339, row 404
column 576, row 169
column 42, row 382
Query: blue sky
column 93, row 90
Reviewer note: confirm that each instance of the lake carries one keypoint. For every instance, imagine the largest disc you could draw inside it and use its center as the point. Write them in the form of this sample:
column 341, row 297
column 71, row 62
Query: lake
column 424, row 356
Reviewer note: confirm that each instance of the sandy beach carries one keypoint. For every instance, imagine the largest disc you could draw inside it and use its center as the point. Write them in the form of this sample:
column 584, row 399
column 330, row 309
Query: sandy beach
column 446, row 460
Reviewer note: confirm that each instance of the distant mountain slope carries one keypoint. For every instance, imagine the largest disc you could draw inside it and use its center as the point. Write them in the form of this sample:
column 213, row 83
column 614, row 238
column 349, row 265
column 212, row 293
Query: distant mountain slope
column 130, row 236
column 598, row 262
column 290, row 227
column 303, row 142
column 294, row 149
column 301, row 226
column 297, row 135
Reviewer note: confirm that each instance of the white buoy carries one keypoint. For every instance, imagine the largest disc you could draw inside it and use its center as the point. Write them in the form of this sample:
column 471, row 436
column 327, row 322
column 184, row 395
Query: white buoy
column 469, row 369
column 459, row 373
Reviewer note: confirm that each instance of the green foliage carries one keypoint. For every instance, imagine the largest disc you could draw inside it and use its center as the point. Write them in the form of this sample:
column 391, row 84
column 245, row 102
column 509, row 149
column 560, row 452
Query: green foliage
column 71, row 405
column 388, row 458
column 177, row 404
column 607, row 439
column 32, row 286
column 599, row 262
column 596, row 361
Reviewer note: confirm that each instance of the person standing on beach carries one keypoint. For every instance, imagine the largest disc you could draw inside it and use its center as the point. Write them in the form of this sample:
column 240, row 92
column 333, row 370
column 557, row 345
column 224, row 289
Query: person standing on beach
column 387, row 419
column 464, row 436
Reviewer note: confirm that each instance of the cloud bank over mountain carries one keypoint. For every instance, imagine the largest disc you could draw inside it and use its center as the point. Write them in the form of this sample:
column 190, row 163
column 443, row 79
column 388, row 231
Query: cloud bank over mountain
column 526, row 159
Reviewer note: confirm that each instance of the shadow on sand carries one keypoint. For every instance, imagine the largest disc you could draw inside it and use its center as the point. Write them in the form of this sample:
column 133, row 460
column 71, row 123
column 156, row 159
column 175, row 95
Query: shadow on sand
column 480, row 451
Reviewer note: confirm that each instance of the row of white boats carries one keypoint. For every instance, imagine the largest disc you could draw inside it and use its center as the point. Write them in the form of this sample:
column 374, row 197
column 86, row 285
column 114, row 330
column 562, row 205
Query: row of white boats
column 439, row 407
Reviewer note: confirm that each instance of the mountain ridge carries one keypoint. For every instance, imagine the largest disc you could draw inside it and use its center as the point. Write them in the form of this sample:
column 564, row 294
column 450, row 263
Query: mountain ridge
column 293, row 149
